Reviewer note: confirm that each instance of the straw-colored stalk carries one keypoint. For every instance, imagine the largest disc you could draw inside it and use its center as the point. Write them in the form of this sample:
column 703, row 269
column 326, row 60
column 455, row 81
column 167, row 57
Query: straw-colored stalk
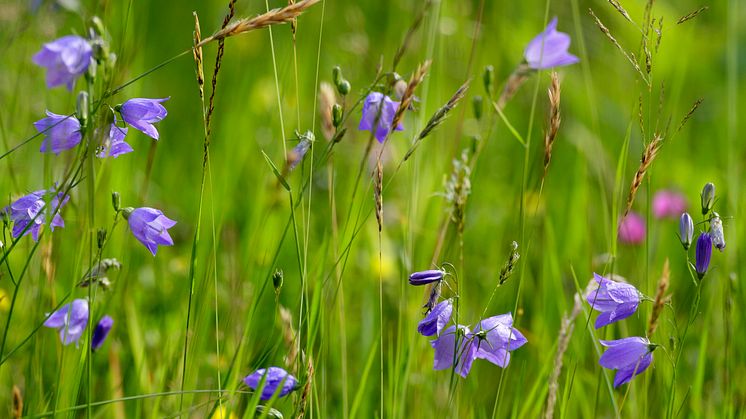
column 417, row 77
column 554, row 120
column 651, row 150
column 327, row 99
column 660, row 298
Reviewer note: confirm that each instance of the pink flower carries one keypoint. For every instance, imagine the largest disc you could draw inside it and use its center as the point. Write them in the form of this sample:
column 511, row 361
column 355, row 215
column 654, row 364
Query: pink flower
column 632, row 229
column 668, row 204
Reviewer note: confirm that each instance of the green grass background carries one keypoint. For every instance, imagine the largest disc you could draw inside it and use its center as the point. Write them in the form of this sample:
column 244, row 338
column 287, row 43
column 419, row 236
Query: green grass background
column 567, row 227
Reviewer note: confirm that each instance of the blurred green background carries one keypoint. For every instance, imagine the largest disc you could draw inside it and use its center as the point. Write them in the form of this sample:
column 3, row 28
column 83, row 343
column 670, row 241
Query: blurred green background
column 569, row 226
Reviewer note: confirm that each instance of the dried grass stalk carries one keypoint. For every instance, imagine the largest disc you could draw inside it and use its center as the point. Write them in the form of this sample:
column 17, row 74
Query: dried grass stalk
column 197, row 54
column 660, row 298
column 630, row 56
column 690, row 113
column 651, row 150
column 327, row 99
column 554, row 120
column 306, row 388
column 408, row 96
column 273, row 17
column 563, row 340
column 378, row 193
column 17, row 402
column 691, row 15
column 621, row 10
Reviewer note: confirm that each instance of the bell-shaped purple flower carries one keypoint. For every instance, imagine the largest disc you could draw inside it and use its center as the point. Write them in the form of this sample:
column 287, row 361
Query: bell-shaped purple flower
column 278, row 380
column 114, row 144
column 632, row 229
column 629, row 356
column 150, row 226
column 65, row 60
column 29, row 213
column 445, row 344
column 615, row 300
column 101, row 332
column 378, row 115
column 549, row 49
column 70, row 320
column 143, row 113
column 703, row 253
column 496, row 337
column 436, row 319
column 426, row 277
column 60, row 132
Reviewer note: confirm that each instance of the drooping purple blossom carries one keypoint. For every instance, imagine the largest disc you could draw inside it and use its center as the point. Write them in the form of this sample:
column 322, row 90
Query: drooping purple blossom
column 276, row 377
column 379, row 110
column 142, row 113
column 61, row 132
column 495, row 337
column 668, row 204
column 426, row 277
column 70, row 320
column 65, row 59
column 29, row 213
column 114, row 144
column 629, row 356
column 632, row 229
column 615, row 300
column 549, row 49
column 703, row 253
column 444, row 346
column 436, row 319
column 150, row 227
column 686, row 230
column 101, row 332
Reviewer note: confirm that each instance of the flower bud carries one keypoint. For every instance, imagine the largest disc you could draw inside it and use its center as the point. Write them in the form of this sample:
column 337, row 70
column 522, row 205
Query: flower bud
column 716, row 231
column 277, row 279
column 82, row 108
column 337, row 115
column 400, row 87
column 337, row 75
column 343, row 87
column 708, row 197
column 686, row 230
column 426, row 277
column 116, row 201
column 477, row 104
column 101, row 238
column 703, row 254
column 489, row 79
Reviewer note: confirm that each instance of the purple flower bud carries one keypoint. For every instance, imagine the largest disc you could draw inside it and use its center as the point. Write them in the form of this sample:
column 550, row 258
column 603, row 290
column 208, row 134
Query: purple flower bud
column 60, row 132
column 436, row 320
column 703, row 252
column 549, row 49
column 32, row 209
column 426, row 277
column 150, row 226
column 142, row 113
column 686, row 230
column 101, row 332
column 668, row 204
column 65, row 60
column 629, row 356
column 632, row 229
column 114, row 144
column 379, row 110
column 276, row 377
column 444, row 347
column 71, row 320
column 615, row 300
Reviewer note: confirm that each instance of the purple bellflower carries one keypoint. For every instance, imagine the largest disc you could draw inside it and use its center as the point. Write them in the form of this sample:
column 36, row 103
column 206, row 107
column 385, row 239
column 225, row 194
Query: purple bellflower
column 632, row 229
column 70, row 320
column 703, row 253
column 276, row 377
column 150, row 227
column 615, row 300
column 426, row 277
column 436, row 319
column 114, row 144
column 379, row 110
column 629, row 356
column 668, row 204
column 32, row 210
column 61, row 132
column 101, row 332
column 686, row 230
column 496, row 337
column 65, row 60
column 444, row 346
column 143, row 113
column 549, row 49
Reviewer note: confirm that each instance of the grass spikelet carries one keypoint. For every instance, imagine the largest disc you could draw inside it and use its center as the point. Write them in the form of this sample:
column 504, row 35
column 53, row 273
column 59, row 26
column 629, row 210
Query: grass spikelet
column 509, row 266
column 273, row 17
column 648, row 155
column 660, row 298
column 563, row 340
column 659, row 34
column 689, row 114
column 408, row 96
column 691, row 15
column 554, row 120
column 294, row 21
column 197, row 54
column 17, row 402
column 630, row 56
column 327, row 99
column 621, row 10
column 306, row 388
column 378, row 193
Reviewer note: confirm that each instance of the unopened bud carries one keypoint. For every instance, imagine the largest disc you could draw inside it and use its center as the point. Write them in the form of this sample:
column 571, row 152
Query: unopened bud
column 708, row 197
column 489, row 79
column 101, row 238
column 477, row 102
column 686, row 230
column 337, row 115
column 82, row 108
column 277, row 279
column 116, row 201
column 343, row 87
column 337, row 75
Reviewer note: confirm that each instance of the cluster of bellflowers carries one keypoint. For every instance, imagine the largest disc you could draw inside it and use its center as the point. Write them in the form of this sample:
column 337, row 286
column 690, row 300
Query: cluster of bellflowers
column 68, row 61
column 712, row 236
column 456, row 345
column 617, row 300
